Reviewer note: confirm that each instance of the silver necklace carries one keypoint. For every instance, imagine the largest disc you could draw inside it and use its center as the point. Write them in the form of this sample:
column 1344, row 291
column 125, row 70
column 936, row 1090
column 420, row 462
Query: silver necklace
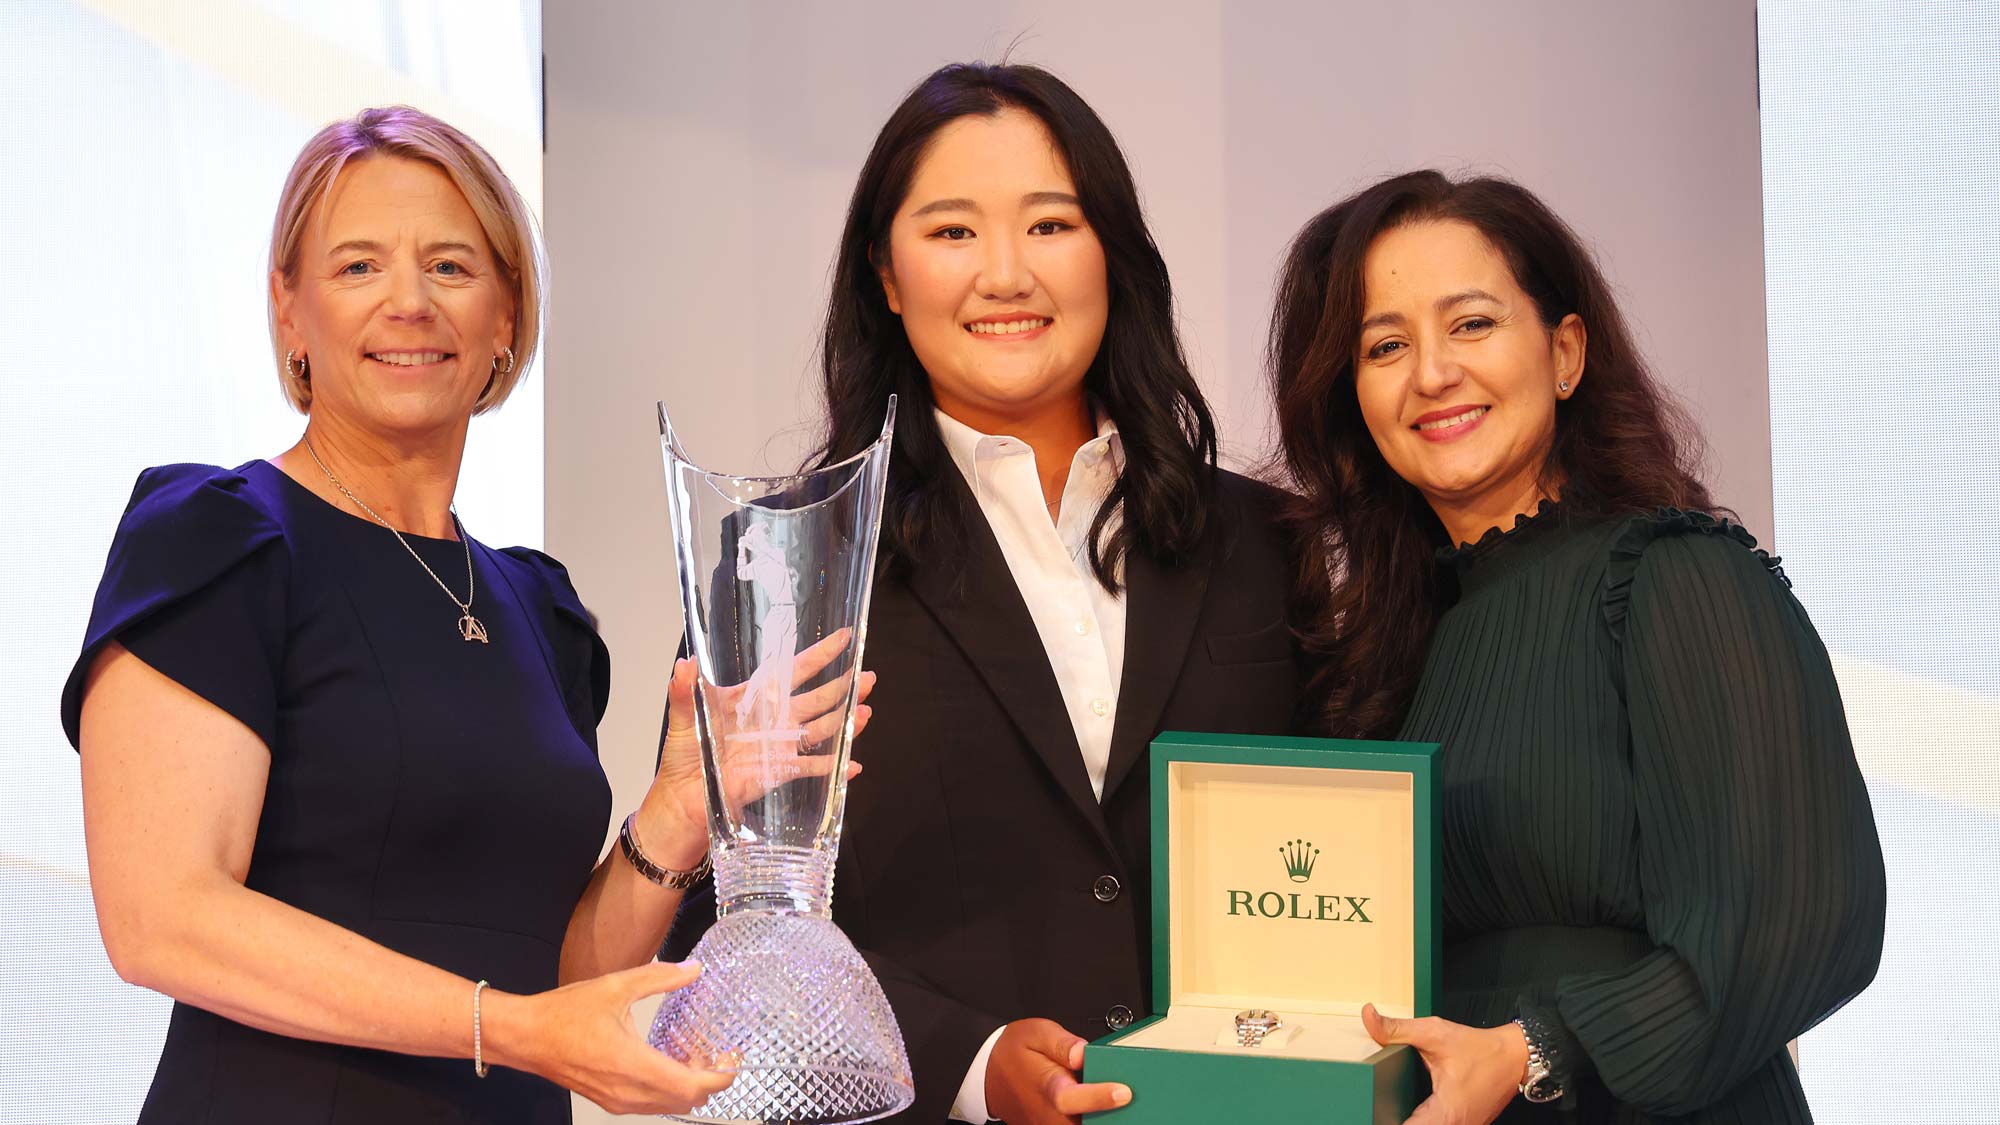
column 469, row 627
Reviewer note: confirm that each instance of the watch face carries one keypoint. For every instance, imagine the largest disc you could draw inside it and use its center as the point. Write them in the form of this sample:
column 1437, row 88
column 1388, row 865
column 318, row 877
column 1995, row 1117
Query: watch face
column 1258, row 1017
column 1541, row 1089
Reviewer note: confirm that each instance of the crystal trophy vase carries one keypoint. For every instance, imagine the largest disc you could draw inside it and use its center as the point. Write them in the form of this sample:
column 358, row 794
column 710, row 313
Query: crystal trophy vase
column 775, row 578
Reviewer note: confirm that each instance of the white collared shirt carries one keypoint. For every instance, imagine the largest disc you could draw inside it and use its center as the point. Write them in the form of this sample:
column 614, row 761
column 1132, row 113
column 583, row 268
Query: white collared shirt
column 1081, row 624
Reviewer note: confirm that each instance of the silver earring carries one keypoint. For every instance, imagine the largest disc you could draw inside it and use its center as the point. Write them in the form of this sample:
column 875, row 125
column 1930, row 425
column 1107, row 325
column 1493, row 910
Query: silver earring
column 298, row 370
column 1563, row 386
column 510, row 361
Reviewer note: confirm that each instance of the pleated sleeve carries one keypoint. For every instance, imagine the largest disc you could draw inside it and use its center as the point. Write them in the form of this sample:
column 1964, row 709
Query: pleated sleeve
column 1764, row 885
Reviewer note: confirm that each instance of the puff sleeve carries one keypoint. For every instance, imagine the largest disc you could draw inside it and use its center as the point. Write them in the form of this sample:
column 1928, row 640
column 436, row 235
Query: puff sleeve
column 583, row 663
column 195, row 586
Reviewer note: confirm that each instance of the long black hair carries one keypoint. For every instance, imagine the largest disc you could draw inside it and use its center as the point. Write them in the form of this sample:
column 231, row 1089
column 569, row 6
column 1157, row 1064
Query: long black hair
column 1139, row 376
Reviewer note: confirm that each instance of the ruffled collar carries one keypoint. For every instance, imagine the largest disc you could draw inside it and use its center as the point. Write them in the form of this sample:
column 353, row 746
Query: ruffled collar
column 1465, row 555
column 1505, row 550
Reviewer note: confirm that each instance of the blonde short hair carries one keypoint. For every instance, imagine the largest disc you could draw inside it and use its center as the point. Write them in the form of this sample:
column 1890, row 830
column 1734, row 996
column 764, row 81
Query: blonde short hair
column 399, row 130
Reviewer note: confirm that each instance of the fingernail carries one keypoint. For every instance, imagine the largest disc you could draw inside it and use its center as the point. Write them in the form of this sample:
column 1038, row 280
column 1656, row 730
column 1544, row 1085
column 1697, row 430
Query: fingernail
column 692, row 966
column 1121, row 1095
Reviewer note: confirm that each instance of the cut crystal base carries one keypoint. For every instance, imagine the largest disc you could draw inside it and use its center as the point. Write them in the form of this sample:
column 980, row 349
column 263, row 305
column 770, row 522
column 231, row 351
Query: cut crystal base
column 787, row 1003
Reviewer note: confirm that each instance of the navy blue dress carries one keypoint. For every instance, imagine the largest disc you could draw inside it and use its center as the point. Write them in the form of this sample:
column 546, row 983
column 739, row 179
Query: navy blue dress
column 440, row 797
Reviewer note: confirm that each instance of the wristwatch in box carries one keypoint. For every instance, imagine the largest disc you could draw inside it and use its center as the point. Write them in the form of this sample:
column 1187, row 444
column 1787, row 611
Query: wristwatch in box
column 1252, row 1026
column 1263, row 963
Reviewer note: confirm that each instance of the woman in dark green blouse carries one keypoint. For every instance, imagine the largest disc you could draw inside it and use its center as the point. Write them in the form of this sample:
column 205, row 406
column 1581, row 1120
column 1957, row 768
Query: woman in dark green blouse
column 1660, row 863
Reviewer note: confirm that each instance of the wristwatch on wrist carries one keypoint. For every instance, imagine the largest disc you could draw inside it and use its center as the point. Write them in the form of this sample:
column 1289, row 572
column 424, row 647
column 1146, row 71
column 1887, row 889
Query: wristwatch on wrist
column 1253, row 1025
column 1540, row 1085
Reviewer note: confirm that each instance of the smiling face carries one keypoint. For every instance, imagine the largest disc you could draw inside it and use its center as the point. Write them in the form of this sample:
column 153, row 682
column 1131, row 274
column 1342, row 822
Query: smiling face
column 399, row 306
column 998, row 279
column 1457, row 376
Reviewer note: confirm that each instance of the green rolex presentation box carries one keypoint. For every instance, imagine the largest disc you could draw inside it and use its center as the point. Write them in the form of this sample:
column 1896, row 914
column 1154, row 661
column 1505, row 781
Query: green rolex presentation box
column 1298, row 876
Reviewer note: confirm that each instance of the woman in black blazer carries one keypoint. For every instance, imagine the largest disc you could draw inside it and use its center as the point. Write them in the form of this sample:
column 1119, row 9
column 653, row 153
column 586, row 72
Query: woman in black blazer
column 1065, row 574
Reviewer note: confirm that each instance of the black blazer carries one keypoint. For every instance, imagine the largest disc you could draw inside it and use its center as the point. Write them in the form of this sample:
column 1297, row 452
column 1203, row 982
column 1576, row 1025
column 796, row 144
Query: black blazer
column 977, row 872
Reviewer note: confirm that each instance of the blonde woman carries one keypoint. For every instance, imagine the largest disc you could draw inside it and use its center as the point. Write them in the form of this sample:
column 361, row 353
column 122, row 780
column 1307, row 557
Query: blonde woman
column 341, row 787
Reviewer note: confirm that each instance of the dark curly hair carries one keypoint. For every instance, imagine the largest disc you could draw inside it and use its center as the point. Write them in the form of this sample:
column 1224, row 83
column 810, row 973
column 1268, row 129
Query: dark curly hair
column 1621, row 444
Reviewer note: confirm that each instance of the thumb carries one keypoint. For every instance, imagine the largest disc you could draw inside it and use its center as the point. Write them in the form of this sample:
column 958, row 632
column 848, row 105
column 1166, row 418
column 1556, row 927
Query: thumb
column 1385, row 1030
column 658, row 977
column 680, row 698
column 1053, row 1042
column 1063, row 1049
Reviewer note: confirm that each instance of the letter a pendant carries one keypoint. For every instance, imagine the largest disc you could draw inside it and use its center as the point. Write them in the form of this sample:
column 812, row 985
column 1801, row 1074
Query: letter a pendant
column 470, row 628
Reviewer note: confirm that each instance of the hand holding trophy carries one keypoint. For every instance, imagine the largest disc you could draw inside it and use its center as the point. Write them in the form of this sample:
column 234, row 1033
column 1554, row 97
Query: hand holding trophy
column 775, row 579
column 680, row 778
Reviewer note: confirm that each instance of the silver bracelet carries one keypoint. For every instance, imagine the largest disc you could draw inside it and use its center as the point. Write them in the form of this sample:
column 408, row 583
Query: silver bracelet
column 664, row 876
column 478, row 1048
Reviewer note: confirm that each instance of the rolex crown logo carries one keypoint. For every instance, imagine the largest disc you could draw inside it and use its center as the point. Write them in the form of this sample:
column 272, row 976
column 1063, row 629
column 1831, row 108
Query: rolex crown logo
column 1300, row 856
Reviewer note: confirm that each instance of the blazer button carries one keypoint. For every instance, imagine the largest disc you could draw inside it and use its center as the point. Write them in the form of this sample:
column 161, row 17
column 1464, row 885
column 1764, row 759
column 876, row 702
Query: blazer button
column 1118, row 1018
column 1105, row 888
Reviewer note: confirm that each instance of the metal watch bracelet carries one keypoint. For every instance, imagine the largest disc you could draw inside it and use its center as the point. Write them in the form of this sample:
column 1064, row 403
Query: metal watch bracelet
column 1540, row 1084
column 664, row 876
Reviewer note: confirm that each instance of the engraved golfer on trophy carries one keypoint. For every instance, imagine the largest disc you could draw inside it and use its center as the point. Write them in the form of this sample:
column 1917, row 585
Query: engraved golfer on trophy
column 775, row 578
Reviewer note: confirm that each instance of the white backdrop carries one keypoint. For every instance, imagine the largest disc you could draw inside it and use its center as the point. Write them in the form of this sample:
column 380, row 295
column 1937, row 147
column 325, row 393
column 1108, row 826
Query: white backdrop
column 1882, row 233
column 142, row 147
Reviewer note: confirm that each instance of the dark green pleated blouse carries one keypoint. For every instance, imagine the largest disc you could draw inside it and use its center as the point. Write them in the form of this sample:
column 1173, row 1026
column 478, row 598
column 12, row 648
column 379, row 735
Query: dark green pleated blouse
column 1654, row 831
